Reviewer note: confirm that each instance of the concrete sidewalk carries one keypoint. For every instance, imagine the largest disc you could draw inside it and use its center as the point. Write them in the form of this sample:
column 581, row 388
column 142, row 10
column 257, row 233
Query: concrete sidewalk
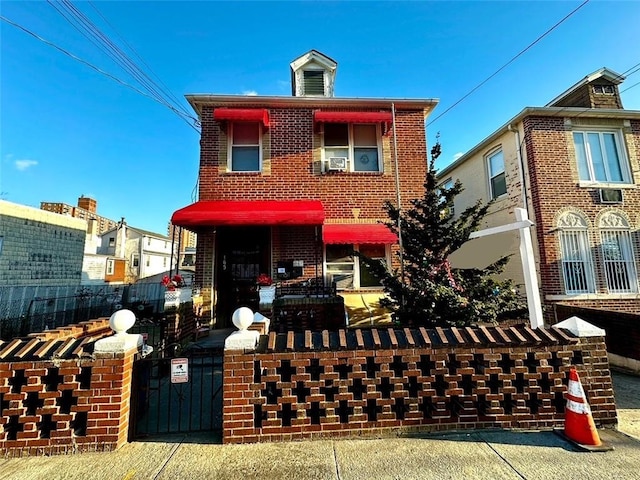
column 474, row 455
column 477, row 455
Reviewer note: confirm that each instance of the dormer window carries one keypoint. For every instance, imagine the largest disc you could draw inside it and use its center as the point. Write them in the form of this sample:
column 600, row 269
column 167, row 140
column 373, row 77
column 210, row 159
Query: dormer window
column 604, row 89
column 314, row 82
column 313, row 75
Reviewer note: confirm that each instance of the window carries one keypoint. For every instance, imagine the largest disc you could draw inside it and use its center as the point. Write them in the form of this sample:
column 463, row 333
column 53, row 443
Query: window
column 245, row 147
column 345, row 269
column 112, row 241
column 357, row 143
column 617, row 254
column 604, row 89
column 135, row 260
column 164, row 261
column 313, row 82
column 448, row 184
column 110, row 266
column 600, row 157
column 148, row 263
column 497, row 179
column 149, row 241
column 577, row 268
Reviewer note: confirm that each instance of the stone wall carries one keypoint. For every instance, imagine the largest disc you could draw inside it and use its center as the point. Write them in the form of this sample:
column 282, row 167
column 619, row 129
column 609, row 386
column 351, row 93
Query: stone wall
column 362, row 383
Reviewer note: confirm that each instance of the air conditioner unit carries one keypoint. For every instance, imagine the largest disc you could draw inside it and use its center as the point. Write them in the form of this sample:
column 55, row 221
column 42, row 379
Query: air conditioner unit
column 610, row 195
column 337, row 164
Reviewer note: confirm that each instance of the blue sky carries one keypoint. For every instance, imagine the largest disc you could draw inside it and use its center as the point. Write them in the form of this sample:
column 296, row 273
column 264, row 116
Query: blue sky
column 67, row 130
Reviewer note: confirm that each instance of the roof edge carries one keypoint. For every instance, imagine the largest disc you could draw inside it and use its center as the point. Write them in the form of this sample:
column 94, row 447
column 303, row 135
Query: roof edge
column 544, row 112
column 198, row 100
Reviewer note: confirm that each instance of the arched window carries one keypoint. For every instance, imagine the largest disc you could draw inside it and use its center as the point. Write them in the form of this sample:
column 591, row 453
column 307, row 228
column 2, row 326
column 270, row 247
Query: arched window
column 617, row 254
column 577, row 267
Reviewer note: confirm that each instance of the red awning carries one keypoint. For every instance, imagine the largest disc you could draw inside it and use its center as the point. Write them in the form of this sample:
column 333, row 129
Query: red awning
column 357, row 233
column 352, row 117
column 242, row 114
column 241, row 212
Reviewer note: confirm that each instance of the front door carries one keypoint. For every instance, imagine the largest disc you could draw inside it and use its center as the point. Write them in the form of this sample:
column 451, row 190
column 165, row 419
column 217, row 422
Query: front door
column 243, row 253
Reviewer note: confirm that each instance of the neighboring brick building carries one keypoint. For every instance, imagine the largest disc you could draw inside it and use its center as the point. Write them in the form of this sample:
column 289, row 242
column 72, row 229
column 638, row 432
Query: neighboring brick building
column 38, row 247
column 86, row 210
column 289, row 186
column 575, row 165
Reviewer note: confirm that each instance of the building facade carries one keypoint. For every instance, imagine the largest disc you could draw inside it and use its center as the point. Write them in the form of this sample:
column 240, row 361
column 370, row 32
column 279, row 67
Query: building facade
column 39, row 248
column 290, row 186
column 575, row 166
column 86, row 210
column 144, row 253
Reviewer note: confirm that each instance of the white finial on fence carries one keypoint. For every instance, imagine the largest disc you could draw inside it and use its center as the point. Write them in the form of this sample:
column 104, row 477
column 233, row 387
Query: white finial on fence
column 243, row 339
column 120, row 322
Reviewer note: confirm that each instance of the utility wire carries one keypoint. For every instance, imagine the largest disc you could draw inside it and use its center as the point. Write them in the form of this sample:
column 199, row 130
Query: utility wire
column 88, row 64
column 89, row 30
column 166, row 89
column 510, row 61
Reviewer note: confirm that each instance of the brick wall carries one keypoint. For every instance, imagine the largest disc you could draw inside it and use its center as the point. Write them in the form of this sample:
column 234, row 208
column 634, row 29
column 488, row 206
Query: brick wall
column 549, row 148
column 57, row 396
column 387, row 382
column 300, row 314
column 291, row 171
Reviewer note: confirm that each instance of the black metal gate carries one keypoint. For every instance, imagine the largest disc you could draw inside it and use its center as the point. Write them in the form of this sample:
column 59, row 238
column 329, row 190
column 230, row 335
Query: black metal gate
column 160, row 407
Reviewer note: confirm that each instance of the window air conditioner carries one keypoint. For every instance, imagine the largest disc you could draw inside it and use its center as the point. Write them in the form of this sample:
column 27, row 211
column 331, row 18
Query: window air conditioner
column 337, row 164
column 610, row 195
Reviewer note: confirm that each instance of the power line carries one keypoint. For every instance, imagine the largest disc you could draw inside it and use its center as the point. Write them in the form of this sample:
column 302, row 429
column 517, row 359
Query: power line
column 167, row 90
column 510, row 61
column 84, row 62
column 89, row 30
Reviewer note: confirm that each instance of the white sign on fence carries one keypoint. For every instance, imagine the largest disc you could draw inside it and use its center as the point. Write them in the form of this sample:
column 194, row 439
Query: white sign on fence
column 179, row 370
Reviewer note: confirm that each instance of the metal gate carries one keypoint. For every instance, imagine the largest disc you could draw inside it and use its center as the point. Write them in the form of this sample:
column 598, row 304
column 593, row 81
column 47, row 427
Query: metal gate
column 159, row 406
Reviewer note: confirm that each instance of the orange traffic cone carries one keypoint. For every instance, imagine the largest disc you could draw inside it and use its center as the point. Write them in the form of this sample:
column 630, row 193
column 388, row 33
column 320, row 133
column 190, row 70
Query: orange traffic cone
column 579, row 427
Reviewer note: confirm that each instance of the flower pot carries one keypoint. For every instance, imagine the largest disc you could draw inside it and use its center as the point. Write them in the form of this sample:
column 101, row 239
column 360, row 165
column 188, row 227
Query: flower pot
column 267, row 294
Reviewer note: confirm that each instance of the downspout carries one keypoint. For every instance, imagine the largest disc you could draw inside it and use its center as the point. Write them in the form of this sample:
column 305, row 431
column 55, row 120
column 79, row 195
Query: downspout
column 395, row 159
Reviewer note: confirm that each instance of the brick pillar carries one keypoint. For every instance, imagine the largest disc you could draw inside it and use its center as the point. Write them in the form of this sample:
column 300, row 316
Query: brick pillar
column 111, row 380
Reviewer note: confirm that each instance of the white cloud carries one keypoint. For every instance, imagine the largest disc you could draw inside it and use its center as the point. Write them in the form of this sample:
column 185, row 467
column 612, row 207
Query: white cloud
column 251, row 93
column 457, row 156
column 25, row 164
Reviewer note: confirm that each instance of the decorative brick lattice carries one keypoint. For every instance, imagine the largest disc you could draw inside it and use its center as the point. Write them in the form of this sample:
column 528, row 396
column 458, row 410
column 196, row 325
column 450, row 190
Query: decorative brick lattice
column 305, row 387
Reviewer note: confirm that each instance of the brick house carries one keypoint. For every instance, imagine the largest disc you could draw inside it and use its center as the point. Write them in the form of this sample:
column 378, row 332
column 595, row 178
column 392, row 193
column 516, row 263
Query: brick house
column 574, row 164
column 290, row 186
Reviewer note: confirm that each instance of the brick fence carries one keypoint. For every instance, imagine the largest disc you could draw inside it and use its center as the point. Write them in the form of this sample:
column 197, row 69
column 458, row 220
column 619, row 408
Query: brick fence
column 382, row 382
column 59, row 396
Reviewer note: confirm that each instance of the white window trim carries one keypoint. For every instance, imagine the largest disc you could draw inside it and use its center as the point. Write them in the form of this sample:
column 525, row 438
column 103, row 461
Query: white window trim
column 487, row 161
column 351, row 147
column 111, row 266
column 627, row 179
column 230, row 149
column 356, row 267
